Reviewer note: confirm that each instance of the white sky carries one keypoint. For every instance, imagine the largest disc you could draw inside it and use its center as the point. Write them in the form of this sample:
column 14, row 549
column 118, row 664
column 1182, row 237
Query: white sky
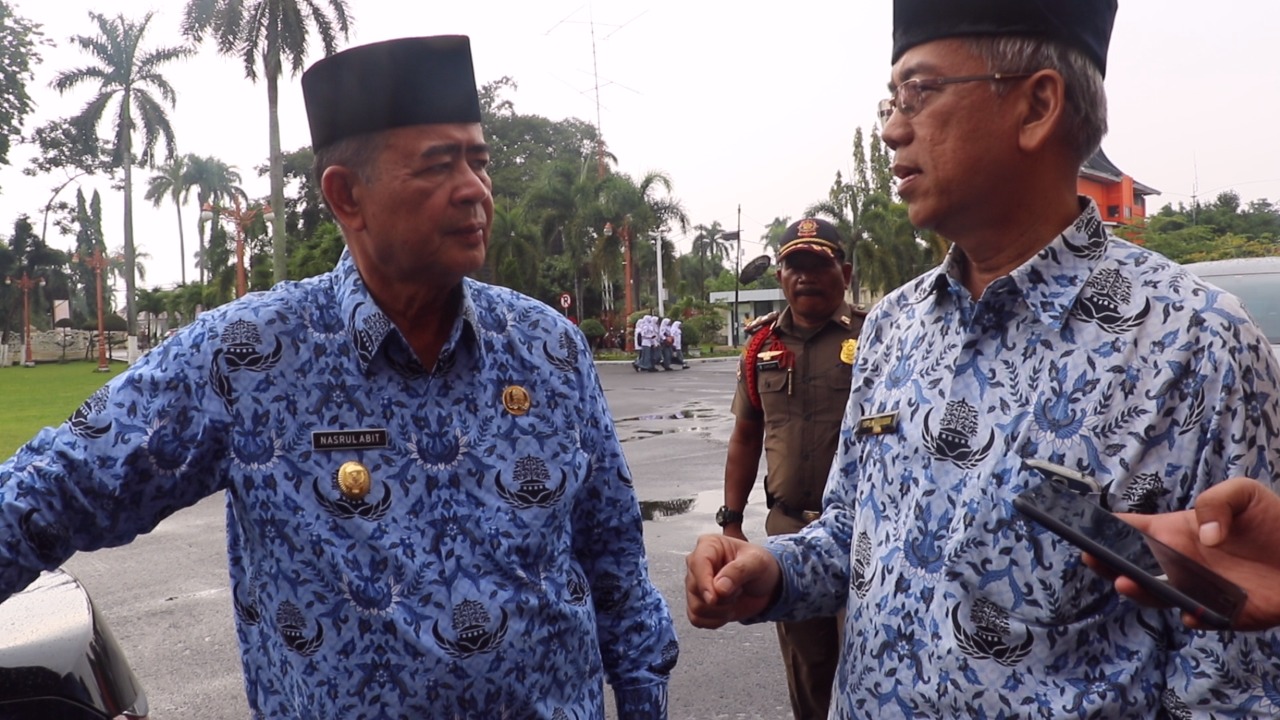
column 739, row 103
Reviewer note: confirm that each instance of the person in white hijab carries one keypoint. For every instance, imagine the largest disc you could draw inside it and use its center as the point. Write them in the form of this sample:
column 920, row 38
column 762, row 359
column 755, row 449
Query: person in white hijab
column 648, row 330
column 677, row 345
column 664, row 343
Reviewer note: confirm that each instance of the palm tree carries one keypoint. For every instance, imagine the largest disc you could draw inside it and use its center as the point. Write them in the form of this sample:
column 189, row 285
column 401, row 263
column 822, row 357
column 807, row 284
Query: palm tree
column 844, row 208
column 174, row 182
column 567, row 198
column 152, row 302
column 512, row 255
column 709, row 241
column 269, row 32
column 127, row 75
column 772, row 237
column 215, row 183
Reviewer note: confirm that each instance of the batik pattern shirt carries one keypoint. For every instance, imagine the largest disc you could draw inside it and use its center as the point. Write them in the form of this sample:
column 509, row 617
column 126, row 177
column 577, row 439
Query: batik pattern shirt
column 484, row 560
column 1095, row 354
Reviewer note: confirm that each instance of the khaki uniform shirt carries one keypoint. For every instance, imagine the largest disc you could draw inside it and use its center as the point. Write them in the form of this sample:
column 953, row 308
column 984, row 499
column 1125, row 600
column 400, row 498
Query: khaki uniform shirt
column 802, row 413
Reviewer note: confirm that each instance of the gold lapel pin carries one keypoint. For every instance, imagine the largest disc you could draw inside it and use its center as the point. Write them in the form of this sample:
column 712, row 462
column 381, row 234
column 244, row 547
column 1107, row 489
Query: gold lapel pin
column 848, row 349
column 354, row 480
column 516, row 400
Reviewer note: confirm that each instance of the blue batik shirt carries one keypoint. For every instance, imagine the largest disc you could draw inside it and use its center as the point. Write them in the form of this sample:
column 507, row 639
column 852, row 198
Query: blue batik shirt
column 482, row 557
column 1095, row 354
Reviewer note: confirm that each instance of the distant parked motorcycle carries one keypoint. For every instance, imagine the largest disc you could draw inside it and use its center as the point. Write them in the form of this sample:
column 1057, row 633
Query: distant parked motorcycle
column 58, row 660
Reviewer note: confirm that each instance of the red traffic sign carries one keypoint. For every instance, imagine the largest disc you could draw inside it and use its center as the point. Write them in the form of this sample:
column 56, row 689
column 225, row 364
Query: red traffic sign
column 565, row 300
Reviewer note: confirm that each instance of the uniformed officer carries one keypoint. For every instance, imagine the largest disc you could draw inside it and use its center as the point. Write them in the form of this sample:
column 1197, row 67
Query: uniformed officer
column 793, row 381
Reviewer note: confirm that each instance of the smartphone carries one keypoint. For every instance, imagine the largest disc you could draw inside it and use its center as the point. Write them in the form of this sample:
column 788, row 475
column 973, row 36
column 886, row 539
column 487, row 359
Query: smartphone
column 1162, row 571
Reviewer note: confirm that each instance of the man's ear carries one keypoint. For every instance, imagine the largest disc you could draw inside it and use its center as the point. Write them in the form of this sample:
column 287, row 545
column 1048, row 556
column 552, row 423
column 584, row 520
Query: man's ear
column 1043, row 109
column 847, row 269
column 342, row 190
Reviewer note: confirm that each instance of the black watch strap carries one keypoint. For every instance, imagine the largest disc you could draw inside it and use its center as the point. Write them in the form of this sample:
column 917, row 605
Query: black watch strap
column 725, row 516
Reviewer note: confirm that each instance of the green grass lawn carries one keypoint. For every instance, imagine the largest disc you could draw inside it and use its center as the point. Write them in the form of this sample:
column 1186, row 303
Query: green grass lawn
column 47, row 394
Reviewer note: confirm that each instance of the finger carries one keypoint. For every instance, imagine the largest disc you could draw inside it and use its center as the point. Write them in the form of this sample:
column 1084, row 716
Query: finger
column 1192, row 621
column 1098, row 566
column 754, row 570
column 1127, row 587
column 1218, row 506
column 700, row 572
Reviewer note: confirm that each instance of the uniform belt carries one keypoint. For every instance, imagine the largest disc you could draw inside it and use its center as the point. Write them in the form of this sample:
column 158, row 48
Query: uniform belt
column 804, row 516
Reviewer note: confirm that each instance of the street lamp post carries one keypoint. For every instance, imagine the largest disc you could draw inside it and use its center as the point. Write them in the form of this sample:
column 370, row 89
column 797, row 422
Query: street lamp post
column 657, row 244
column 737, row 270
column 26, row 284
column 98, row 262
column 241, row 218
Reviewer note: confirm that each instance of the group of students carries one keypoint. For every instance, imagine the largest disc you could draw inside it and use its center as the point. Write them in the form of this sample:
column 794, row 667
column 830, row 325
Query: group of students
column 659, row 342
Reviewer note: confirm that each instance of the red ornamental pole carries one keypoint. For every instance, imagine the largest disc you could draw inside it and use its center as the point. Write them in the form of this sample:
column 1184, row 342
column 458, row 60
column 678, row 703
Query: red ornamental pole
column 97, row 262
column 26, row 283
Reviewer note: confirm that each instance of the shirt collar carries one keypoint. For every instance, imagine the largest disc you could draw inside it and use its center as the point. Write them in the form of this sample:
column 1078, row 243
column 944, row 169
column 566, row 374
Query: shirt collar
column 843, row 316
column 1050, row 281
column 369, row 327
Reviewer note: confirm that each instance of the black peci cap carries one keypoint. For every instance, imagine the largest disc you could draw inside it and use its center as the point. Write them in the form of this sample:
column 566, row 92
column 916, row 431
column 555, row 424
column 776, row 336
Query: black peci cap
column 409, row 81
column 812, row 235
column 1081, row 24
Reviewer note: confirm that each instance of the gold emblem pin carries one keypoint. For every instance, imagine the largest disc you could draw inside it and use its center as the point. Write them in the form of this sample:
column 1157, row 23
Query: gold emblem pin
column 882, row 424
column 354, row 480
column 768, row 355
column 516, row 400
column 848, row 349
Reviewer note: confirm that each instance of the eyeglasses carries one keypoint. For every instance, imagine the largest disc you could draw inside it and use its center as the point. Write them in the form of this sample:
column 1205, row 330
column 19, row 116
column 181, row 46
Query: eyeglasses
column 908, row 98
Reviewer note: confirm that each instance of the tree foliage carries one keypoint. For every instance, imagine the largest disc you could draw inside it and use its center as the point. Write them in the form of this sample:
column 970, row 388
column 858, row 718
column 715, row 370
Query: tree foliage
column 129, row 77
column 1217, row 230
column 884, row 248
column 18, row 40
column 265, row 34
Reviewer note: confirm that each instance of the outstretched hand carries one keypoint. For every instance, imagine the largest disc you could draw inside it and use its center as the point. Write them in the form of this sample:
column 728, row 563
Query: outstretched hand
column 1235, row 531
column 729, row 580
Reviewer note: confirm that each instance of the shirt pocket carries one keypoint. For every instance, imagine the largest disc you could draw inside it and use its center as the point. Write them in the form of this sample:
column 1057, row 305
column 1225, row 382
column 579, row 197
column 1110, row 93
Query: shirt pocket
column 833, row 393
column 774, row 395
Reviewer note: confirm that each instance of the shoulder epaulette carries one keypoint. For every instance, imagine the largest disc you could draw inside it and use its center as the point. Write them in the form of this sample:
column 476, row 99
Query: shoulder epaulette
column 753, row 348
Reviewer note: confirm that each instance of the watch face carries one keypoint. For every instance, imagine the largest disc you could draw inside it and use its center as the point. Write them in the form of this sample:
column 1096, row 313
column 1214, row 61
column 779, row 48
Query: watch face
column 725, row 516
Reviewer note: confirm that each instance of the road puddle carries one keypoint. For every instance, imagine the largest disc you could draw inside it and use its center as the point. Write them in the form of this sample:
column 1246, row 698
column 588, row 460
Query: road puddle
column 658, row 509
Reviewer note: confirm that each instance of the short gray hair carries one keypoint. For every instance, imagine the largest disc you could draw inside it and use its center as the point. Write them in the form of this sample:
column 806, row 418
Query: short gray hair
column 357, row 152
column 1086, row 98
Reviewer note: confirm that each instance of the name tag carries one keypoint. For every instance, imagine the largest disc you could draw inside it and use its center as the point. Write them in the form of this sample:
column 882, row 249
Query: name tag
column 363, row 439
column 882, row 424
column 770, row 365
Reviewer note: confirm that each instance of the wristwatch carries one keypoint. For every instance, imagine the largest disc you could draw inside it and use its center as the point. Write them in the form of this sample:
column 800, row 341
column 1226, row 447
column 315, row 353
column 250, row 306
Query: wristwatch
column 725, row 516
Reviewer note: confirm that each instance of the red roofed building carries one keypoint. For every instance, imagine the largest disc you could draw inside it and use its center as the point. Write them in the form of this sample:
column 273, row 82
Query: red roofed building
column 1121, row 199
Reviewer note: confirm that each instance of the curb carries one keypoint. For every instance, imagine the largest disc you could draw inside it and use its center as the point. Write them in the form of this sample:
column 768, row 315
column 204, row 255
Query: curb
column 688, row 361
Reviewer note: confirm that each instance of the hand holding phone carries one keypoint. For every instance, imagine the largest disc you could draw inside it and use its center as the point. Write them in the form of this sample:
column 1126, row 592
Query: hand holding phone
column 1160, row 570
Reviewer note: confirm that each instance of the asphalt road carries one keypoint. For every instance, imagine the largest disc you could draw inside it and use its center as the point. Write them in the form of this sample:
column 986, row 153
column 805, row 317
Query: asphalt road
column 168, row 601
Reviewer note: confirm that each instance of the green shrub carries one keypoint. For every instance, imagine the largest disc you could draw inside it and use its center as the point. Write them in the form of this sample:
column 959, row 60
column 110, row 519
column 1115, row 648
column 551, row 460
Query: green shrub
column 704, row 327
column 593, row 329
column 690, row 334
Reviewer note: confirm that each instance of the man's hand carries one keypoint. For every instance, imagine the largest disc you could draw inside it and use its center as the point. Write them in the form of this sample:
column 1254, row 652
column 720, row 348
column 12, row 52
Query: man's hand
column 1235, row 531
column 729, row 580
